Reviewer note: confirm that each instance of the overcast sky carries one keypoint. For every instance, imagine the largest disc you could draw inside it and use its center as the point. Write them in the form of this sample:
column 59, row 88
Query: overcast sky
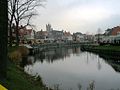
column 84, row 16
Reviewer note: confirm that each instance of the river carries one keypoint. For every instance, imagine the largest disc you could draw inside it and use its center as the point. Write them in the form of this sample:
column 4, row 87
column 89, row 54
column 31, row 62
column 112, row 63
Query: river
column 72, row 69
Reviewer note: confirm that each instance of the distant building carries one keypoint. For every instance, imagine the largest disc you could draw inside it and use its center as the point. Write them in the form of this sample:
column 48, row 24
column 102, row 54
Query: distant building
column 112, row 35
column 114, row 31
column 53, row 35
column 41, row 36
column 79, row 37
column 57, row 35
column 67, row 36
column 26, row 34
column 99, row 38
column 48, row 27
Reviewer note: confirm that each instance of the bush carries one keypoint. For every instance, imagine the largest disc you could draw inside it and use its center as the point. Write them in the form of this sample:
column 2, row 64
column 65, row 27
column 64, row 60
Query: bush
column 16, row 55
column 23, row 50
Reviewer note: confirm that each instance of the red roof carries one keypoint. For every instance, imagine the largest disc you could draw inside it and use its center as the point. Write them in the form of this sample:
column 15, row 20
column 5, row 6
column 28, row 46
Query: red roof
column 67, row 33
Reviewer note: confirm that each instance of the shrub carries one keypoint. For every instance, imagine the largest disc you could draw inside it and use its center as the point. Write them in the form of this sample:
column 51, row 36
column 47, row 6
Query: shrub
column 16, row 55
column 23, row 50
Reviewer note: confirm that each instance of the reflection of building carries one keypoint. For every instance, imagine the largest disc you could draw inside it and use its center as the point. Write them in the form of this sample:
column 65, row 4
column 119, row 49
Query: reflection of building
column 112, row 60
column 55, row 54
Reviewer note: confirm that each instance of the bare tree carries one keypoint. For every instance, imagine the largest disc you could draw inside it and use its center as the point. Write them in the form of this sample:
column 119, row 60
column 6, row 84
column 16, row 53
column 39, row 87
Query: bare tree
column 20, row 10
column 3, row 37
column 99, row 33
column 11, row 10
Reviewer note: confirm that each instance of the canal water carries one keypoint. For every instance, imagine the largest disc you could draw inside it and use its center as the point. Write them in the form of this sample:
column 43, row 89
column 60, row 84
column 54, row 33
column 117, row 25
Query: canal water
column 72, row 69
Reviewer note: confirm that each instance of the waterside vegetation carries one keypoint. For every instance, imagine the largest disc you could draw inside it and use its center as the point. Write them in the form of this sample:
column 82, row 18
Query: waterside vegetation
column 106, row 49
column 17, row 79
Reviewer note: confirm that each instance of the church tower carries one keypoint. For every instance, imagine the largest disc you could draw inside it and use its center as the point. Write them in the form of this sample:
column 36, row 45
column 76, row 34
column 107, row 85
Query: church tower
column 48, row 27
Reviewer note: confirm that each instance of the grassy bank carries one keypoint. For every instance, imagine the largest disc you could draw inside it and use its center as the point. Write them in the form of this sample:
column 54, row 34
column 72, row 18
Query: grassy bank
column 17, row 79
column 100, row 48
column 105, row 50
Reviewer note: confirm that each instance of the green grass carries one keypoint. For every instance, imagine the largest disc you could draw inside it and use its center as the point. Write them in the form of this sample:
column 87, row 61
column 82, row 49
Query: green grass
column 111, row 48
column 17, row 79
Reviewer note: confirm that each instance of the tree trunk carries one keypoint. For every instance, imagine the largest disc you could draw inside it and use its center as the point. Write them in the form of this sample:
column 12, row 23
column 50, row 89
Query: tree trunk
column 10, row 24
column 10, row 35
column 17, row 33
column 3, row 37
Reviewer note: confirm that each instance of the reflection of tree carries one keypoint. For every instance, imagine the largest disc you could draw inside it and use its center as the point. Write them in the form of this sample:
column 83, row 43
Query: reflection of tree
column 76, row 50
column 60, row 53
column 40, row 56
column 112, row 61
column 99, row 64
column 87, row 58
column 56, row 54
column 27, row 61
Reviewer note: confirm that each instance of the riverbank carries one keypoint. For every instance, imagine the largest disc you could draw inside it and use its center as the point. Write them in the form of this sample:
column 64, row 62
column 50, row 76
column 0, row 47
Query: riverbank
column 17, row 79
column 103, row 50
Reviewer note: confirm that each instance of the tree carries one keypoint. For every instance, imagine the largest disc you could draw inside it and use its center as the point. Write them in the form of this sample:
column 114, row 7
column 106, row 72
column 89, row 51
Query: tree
column 11, row 10
column 20, row 10
column 3, row 37
column 99, row 33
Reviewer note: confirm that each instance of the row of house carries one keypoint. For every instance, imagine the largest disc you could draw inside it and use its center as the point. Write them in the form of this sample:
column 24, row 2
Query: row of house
column 52, row 35
column 24, row 34
column 111, row 35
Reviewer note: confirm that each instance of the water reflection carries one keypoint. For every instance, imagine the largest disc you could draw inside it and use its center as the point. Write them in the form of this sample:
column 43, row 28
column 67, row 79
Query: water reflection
column 111, row 60
column 70, row 68
column 53, row 55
